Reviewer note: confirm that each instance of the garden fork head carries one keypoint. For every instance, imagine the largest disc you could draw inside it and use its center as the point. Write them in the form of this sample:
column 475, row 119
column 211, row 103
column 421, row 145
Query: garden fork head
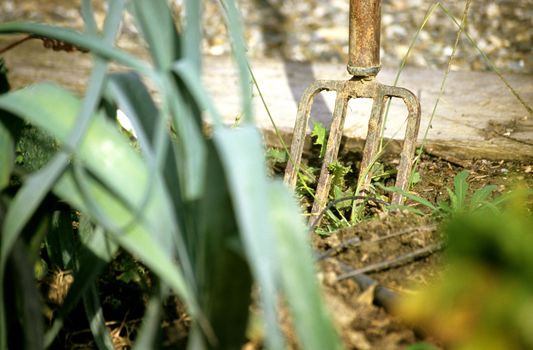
column 363, row 65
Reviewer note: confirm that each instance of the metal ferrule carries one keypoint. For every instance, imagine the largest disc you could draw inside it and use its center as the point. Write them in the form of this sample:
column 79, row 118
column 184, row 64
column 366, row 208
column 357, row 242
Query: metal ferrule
column 357, row 71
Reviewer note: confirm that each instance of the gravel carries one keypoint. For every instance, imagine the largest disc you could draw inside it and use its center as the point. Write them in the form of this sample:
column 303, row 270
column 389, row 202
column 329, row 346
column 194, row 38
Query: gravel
column 317, row 30
column 311, row 30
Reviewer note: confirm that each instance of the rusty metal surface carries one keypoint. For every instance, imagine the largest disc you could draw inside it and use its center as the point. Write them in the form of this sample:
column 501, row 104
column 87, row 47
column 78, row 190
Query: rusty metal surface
column 375, row 125
column 364, row 37
column 356, row 87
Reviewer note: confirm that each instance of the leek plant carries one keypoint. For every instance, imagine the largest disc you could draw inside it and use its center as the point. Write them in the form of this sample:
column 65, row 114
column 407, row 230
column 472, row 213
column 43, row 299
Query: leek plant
column 198, row 211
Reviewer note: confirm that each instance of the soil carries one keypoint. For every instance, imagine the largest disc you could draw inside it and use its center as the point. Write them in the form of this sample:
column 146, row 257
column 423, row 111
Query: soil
column 363, row 319
column 364, row 325
column 387, row 237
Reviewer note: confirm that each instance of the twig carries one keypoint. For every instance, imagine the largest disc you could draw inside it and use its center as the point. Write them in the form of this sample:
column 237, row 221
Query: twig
column 401, row 260
column 54, row 44
column 16, row 43
column 355, row 242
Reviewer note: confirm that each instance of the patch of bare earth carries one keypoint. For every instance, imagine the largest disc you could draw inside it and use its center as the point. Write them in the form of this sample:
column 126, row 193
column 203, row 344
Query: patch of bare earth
column 399, row 252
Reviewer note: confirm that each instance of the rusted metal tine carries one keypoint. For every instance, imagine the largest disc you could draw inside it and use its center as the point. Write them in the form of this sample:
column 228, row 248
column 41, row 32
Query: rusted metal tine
column 363, row 65
column 375, row 125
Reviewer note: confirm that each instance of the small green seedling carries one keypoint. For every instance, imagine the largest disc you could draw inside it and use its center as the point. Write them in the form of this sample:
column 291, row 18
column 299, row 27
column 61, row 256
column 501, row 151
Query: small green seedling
column 458, row 202
column 320, row 133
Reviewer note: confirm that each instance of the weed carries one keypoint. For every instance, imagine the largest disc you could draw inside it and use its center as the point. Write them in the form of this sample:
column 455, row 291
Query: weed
column 320, row 134
column 459, row 200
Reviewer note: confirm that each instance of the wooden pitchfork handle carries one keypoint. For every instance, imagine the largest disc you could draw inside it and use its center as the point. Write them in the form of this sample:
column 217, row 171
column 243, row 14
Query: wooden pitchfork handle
column 364, row 38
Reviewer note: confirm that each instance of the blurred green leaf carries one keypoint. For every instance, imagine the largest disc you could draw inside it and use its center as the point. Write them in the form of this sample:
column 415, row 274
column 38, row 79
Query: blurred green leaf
column 108, row 156
column 105, row 152
column 295, row 260
column 87, row 15
column 60, row 242
column 489, row 261
column 86, row 41
column 189, row 145
column 95, row 316
column 219, row 257
column 236, row 34
column 34, row 190
column 157, row 26
column 147, row 334
column 7, row 156
column 241, row 153
column 96, row 250
column 192, row 38
column 25, row 203
column 421, row 346
column 133, row 98
column 185, row 70
column 414, row 178
column 276, row 155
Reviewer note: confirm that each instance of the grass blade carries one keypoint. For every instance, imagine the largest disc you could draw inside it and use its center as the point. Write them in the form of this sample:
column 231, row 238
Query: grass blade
column 409, row 195
column 489, row 63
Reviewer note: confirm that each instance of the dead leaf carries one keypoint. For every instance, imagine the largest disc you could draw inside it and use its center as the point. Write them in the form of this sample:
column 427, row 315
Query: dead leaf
column 367, row 297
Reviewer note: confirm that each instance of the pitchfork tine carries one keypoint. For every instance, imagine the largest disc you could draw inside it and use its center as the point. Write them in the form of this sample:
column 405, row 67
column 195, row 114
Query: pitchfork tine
column 332, row 149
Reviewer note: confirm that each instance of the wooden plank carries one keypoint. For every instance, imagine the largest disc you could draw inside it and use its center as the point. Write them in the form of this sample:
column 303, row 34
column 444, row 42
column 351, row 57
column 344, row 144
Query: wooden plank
column 477, row 117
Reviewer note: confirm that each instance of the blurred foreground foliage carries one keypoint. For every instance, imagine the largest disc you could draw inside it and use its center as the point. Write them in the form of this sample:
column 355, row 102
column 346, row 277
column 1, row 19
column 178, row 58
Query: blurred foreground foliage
column 484, row 298
column 195, row 215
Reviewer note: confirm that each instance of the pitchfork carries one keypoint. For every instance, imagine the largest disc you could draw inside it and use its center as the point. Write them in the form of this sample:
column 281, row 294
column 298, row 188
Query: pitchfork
column 363, row 65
